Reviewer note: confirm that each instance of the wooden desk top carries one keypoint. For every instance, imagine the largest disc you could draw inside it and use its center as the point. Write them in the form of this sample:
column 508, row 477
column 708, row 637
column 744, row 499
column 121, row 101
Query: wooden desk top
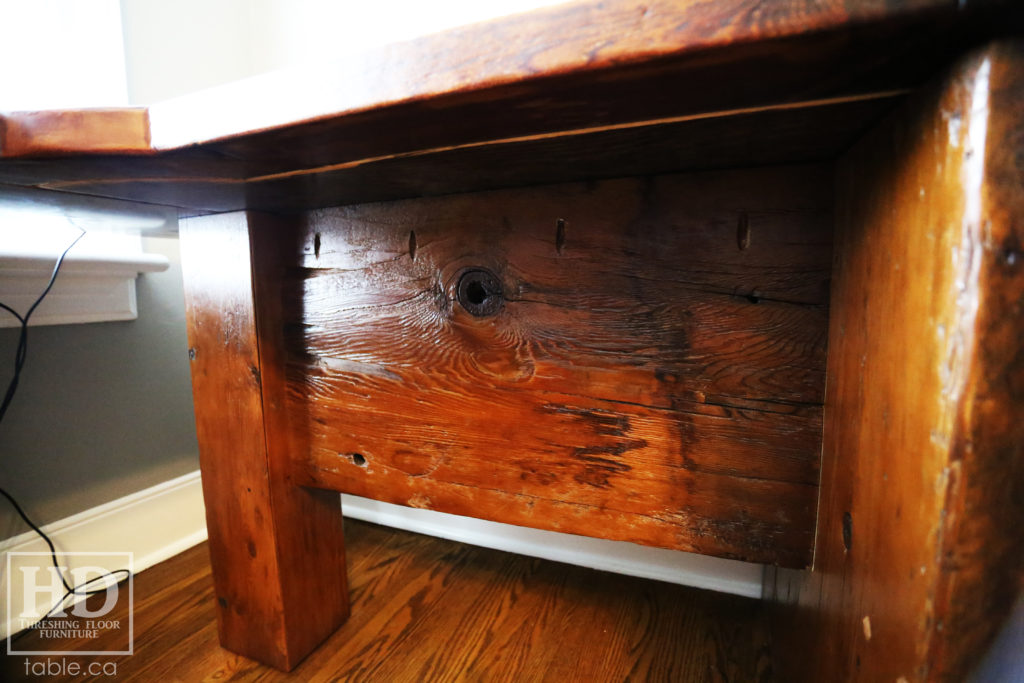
column 421, row 117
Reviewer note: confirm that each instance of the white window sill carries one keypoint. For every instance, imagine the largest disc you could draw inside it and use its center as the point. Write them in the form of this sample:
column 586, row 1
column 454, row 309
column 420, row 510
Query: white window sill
column 97, row 279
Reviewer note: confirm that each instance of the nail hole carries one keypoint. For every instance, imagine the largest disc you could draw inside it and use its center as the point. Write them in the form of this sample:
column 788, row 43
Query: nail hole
column 357, row 459
column 316, row 245
column 559, row 235
column 847, row 531
column 412, row 245
column 191, row 354
column 754, row 297
column 743, row 231
column 1011, row 251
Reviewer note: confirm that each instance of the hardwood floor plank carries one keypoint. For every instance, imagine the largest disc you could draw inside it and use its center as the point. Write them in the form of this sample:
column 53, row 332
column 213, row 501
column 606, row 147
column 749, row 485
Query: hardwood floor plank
column 428, row 609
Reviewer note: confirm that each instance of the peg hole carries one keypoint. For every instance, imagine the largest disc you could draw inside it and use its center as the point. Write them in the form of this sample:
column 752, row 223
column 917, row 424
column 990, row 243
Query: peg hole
column 560, row 235
column 743, row 231
column 847, row 531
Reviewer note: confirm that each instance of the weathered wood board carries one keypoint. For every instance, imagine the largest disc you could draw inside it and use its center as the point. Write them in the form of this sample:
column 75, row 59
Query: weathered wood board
column 652, row 371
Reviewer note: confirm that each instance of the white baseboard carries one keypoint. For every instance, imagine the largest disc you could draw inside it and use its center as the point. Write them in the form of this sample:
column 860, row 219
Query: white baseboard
column 687, row 569
column 164, row 520
column 154, row 524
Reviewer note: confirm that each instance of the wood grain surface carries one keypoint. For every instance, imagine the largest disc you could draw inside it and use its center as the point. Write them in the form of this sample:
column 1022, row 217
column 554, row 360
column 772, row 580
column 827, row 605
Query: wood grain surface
column 277, row 552
column 203, row 179
column 582, row 47
column 572, row 39
column 918, row 559
column 654, row 371
column 426, row 609
column 311, row 133
column 765, row 136
column 81, row 131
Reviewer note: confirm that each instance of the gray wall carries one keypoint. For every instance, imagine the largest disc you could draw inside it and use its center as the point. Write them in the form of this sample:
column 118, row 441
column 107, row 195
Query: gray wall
column 102, row 409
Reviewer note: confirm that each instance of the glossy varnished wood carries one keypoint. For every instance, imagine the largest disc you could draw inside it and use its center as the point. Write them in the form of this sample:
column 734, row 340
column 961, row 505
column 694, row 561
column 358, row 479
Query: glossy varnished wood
column 654, row 372
column 426, row 609
column 919, row 559
column 280, row 586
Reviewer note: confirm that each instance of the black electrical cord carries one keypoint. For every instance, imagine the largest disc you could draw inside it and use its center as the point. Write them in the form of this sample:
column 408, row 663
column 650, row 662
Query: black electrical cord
column 12, row 387
column 69, row 590
column 19, row 355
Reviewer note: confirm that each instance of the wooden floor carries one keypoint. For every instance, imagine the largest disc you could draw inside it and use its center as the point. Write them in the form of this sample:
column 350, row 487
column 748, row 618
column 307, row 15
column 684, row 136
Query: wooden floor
column 426, row 609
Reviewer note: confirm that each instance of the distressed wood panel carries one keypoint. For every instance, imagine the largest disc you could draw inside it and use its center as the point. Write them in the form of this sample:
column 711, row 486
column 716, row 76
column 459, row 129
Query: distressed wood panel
column 654, row 372
column 919, row 560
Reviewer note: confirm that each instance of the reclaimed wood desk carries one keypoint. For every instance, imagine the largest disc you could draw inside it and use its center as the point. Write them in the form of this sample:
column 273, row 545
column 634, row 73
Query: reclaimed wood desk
column 738, row 278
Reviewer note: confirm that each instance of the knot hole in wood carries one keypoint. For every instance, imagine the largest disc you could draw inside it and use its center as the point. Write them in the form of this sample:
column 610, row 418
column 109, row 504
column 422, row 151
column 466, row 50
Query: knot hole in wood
column 479, row 292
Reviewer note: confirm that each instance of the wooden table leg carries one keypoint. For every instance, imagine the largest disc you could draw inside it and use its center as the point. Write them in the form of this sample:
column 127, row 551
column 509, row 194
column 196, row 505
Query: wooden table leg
column 917, row 561
column 276, row 548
